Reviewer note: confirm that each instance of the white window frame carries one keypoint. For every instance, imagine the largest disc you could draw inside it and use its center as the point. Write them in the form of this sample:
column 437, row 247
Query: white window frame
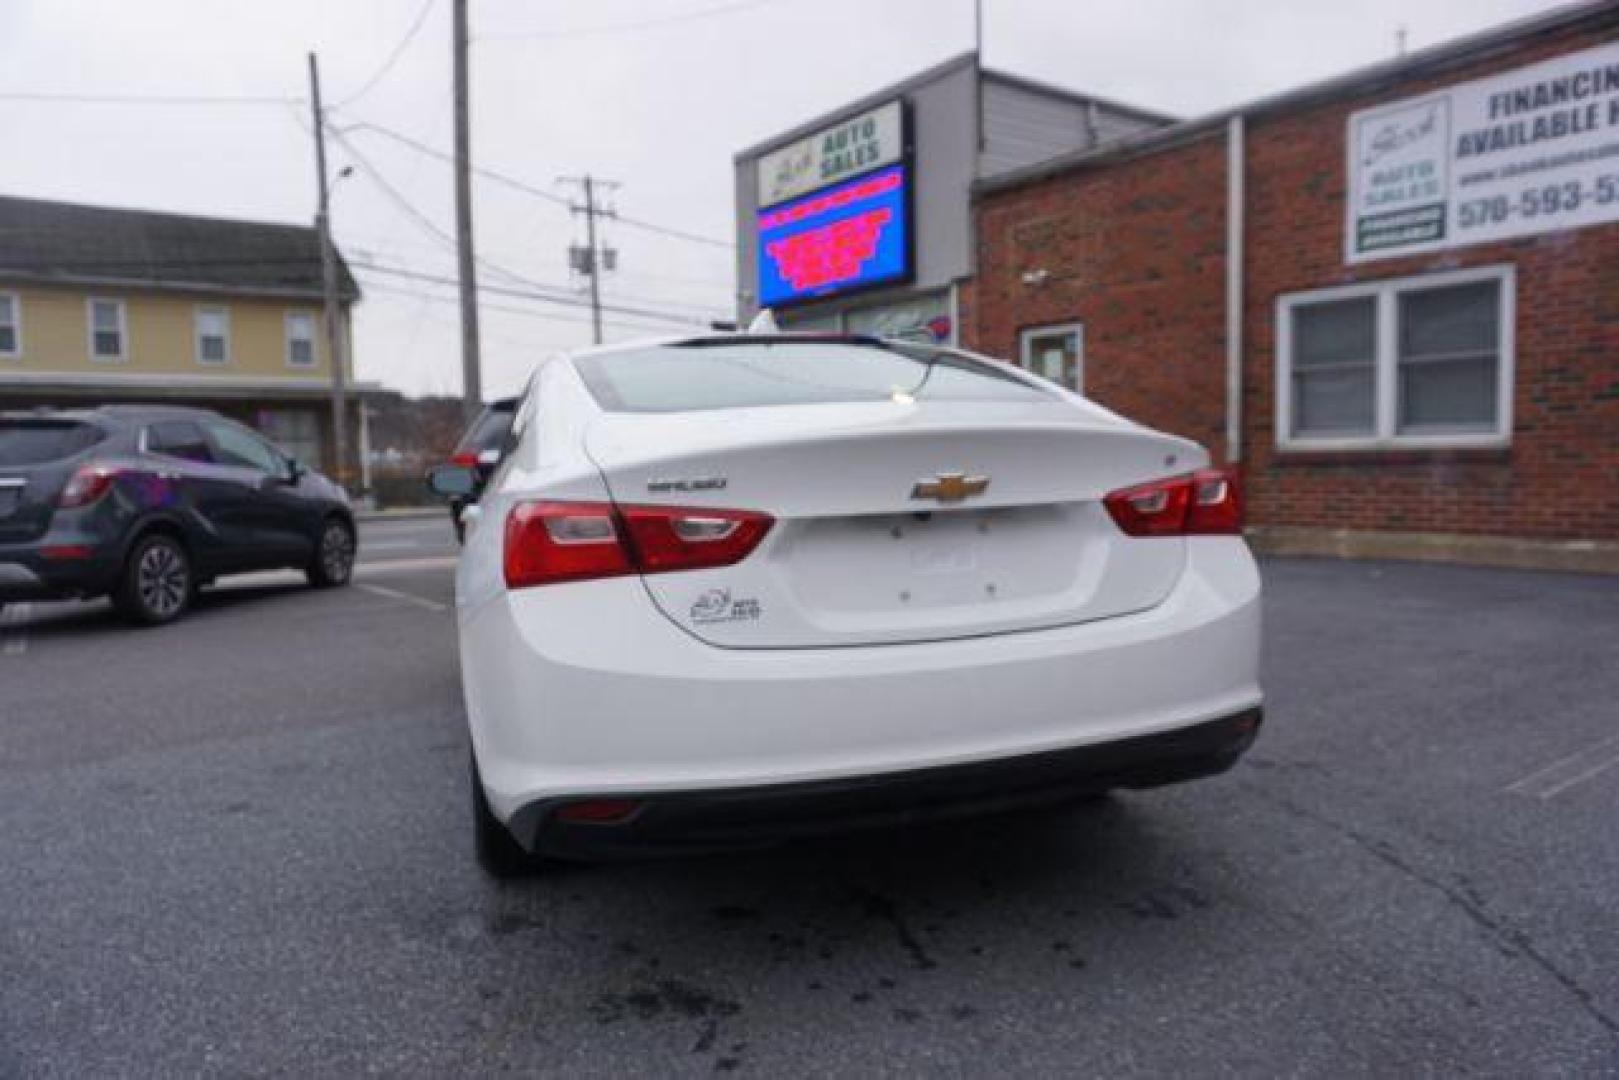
column 314, row 337
column 1028, row 334
column 122, row 307
column 1385, row 368
column 197, row 335
column 15, row 352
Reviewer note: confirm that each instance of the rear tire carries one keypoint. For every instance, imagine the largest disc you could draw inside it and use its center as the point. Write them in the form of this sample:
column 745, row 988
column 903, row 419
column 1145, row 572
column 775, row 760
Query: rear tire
column 333, row 561
column 499, row 853
column 156, row 585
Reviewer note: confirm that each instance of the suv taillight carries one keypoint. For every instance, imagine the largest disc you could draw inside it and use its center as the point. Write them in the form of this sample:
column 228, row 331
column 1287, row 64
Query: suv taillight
column 1200, row 503
column 87, row 485
column 550, row 542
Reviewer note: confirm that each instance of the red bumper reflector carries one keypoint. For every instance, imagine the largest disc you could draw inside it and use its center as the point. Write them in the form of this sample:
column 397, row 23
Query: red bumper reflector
column 598, row 811
column 68, row 551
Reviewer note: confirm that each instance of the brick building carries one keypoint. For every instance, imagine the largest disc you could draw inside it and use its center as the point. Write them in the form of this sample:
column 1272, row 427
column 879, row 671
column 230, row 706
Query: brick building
column 1392, row 298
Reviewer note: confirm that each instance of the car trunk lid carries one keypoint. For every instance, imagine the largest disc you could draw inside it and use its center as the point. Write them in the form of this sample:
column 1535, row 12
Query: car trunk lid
column 899, row 521
column 37, row 457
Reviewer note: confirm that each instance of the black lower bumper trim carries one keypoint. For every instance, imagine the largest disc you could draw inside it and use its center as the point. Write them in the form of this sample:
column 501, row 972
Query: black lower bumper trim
column 726, row 818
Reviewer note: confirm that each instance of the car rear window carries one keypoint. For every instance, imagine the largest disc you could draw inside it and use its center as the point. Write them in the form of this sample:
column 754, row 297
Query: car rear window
column 686, row 378
column 488, row 432
column 179, row 439
column 38, row 442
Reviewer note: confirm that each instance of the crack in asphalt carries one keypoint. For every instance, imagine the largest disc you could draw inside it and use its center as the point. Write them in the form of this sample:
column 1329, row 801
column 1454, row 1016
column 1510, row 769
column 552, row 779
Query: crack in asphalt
column 881, row 907
column 1466, row 900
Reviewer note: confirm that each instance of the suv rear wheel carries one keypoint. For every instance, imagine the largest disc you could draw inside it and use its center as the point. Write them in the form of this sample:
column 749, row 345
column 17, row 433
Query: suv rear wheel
column 156, row 585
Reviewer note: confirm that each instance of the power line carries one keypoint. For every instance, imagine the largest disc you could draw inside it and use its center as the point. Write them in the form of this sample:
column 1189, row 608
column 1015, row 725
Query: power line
column 410, row 210
column 487, row 174
column 143, row 99
column 533, row 294
column 629, row 26
column 393, row 57
column 427, row 223
column 530, row 189
column 548, row 316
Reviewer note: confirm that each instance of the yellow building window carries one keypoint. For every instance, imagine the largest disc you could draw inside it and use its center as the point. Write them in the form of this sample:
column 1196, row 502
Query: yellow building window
column 109, row 330
column 300, row 339
column 213, row 335
column 10, row 325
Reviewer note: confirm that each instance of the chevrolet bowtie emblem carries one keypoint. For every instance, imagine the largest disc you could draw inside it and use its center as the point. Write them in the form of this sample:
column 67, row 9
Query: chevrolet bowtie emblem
column 950, row 487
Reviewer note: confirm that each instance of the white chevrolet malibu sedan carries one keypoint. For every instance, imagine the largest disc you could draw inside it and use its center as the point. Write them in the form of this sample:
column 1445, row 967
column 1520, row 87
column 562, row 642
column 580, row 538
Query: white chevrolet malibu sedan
column 736, row 588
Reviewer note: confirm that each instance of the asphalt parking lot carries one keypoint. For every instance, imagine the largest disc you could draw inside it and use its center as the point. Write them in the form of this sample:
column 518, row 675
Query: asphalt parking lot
column 241, row 844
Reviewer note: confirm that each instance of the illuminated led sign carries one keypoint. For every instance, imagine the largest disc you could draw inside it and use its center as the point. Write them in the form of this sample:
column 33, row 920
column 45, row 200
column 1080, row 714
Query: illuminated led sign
column 852, row 235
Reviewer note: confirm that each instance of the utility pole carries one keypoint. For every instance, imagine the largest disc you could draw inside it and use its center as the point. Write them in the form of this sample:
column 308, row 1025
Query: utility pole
column 978, row 71
column 471, row 366
column 335, row 338
column 592, row 259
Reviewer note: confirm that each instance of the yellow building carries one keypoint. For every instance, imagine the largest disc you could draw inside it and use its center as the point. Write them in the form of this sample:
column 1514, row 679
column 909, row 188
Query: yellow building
column 101, row 305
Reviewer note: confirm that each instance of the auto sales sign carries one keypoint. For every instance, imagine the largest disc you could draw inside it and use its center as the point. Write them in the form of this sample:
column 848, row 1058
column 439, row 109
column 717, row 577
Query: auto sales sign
column 859, row 144
column 1531, row 151
column 835, row 211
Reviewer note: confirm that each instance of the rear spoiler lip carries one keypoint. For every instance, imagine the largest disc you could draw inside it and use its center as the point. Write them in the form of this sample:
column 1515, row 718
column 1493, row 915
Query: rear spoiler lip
column 709, row 341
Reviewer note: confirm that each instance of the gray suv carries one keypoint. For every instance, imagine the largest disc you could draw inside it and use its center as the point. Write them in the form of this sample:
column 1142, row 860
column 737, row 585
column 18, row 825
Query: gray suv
column 146, row 504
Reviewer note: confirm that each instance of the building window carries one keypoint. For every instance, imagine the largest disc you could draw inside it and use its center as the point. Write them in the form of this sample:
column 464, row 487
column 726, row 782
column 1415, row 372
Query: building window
column 213, row 335
column 1424, row 361
column 1056, row 353
column 10, row 324
column 296, row 431
column 300, row 339
column 240, row 449
column 109, row 334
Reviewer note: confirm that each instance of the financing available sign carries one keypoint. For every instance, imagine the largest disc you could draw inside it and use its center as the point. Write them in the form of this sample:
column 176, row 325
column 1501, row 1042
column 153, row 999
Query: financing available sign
column 1530, row 151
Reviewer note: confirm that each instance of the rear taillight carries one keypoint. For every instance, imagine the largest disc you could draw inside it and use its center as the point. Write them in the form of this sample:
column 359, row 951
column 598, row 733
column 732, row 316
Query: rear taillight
column 87, row 485
column 464, row 458
column 1201, row 503
column 551, row 542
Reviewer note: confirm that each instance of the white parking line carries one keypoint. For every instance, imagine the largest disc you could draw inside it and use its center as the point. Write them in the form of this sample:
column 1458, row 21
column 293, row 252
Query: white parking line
column 15, row 643
column 1580, row 778
column 409, row 598
column 1566, row 772
column 388, row 566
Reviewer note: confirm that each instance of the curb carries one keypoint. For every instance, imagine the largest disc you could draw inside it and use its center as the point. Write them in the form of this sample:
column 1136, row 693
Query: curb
column 413, row 513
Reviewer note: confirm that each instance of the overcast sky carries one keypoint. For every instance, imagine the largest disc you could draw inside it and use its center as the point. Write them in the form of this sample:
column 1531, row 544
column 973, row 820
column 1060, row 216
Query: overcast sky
column 655, row 94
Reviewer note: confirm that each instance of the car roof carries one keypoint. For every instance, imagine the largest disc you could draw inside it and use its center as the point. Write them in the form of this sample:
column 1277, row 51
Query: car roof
column 734, row 337
column 125, row 413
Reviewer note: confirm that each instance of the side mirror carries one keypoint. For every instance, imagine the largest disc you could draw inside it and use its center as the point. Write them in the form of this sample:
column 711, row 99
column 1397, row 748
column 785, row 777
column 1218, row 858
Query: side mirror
column 295, row 470
column 452, row 480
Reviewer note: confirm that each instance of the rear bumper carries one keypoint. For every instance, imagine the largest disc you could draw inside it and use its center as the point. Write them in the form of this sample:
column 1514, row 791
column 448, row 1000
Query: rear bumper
column 719, row 819
column 25, row 574
column 579, row 690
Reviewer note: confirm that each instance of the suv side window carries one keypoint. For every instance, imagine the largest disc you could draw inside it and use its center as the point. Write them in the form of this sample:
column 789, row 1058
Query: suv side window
column 181, row 439
column 242, row 450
